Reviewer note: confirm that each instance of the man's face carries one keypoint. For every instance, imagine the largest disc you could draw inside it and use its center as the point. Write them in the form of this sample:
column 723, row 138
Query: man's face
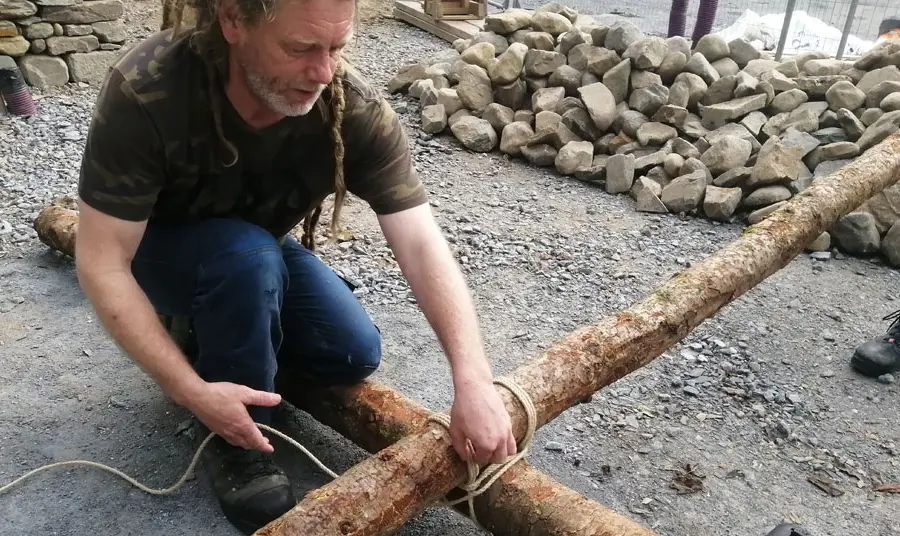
column 287, row 61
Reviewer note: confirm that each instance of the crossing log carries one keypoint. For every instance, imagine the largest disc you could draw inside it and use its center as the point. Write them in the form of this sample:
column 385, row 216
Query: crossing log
column 381, row 493
column 524, row 502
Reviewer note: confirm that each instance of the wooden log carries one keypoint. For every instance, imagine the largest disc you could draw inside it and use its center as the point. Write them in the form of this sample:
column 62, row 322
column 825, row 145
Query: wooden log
column 376, row 416
column 381, row 493
column 56, row 225
column 524, row 501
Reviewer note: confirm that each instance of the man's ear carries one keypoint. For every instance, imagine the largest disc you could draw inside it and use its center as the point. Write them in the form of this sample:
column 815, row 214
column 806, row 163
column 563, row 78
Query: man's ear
column 230, row 21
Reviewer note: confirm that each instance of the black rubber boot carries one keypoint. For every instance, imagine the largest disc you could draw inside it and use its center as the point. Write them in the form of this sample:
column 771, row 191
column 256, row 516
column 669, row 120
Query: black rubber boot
column 880, row 355
column 252, row 490
column 788, row 529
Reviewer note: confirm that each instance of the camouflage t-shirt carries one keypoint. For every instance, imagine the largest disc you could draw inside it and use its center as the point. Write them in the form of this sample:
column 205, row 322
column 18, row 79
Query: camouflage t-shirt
column 153, row 152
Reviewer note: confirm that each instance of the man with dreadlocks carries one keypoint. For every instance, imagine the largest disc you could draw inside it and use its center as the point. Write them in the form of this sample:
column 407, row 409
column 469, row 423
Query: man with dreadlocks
column 206, row 148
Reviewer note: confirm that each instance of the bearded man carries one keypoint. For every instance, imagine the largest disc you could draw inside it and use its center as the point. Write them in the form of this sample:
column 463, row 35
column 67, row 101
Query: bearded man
column 206, row 148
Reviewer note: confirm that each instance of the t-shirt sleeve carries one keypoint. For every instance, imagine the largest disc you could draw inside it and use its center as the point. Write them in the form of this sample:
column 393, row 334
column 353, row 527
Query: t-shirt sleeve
column 122, row 169
column 378, row 163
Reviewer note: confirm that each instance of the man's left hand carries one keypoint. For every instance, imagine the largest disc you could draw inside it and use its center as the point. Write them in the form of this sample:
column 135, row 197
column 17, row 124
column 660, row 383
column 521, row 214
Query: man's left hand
column 479, row 416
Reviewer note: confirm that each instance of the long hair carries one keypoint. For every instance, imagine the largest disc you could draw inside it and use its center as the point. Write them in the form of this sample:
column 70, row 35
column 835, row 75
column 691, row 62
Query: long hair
column 207, row 40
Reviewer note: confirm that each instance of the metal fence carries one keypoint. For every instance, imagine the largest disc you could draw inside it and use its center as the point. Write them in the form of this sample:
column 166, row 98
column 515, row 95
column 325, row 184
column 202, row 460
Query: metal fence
column 840, row 28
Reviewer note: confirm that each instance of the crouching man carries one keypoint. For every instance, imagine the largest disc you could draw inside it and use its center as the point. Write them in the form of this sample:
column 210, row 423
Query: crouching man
column 205, row 150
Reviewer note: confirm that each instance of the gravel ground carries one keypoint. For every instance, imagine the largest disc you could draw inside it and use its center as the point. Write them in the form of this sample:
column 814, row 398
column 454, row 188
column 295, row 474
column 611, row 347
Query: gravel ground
column 755, row 401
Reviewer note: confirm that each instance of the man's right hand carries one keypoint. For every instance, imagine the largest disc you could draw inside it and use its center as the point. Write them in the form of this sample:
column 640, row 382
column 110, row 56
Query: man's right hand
column 221, row 406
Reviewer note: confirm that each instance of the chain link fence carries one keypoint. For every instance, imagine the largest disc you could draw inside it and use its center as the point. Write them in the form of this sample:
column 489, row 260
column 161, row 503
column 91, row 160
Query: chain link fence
column 840, row 28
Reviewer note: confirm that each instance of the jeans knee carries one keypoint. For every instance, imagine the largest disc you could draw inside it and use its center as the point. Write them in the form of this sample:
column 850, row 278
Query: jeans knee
column 257, row 270
column 364, row 354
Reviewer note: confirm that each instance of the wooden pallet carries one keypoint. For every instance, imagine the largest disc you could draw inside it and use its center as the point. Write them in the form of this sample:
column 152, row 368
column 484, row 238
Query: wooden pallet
column 412, row 12
column 456, row 9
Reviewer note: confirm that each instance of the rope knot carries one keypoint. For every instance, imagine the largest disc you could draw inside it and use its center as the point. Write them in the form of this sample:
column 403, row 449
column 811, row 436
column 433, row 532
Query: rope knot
column 480, row 480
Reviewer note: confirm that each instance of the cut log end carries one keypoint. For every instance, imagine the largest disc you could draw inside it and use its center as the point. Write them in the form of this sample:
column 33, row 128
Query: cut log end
column 56, row 227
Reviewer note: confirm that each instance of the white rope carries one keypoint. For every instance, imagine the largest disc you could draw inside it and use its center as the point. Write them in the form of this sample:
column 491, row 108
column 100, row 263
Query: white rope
column 174, row 487
column 478, row 482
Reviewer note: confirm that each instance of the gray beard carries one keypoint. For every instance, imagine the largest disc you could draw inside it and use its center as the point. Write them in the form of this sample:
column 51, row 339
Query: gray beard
column 273, row 100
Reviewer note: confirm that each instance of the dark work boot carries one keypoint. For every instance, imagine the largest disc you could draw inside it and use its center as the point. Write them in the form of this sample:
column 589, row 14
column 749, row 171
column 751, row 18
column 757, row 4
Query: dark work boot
column 788, row 529
column 880, row 355
column 252, row 490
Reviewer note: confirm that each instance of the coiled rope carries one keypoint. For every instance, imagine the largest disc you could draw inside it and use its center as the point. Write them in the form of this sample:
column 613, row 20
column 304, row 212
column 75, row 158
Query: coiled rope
column 478, row 481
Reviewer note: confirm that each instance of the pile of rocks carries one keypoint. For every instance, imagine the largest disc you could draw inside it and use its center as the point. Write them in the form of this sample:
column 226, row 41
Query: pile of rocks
column 713, row 128
column 59, row 41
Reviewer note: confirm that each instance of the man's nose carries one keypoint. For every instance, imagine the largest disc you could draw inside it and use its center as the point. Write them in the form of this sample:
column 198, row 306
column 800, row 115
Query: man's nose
column 322, row 68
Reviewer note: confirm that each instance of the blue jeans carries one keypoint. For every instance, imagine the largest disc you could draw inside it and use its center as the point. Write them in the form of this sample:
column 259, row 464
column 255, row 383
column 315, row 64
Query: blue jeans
column 257, row 306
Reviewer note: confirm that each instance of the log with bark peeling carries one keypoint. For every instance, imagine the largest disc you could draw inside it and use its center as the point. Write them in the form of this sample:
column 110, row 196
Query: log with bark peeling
column 381, row 493
column 524, row 502
column 57, row 224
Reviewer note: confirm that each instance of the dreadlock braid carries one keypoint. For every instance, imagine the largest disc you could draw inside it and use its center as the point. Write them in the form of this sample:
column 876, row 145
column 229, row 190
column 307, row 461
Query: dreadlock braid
column 337, row 111
column 340, row 188
column 207, row 39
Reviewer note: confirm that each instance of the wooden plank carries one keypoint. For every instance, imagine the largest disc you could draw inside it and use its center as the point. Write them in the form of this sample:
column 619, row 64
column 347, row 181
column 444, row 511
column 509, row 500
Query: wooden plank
column 417, row 17
column 466, row 26
column 470, row 27
column 458, row 17
column 412, row 12
column 458, row 9
column 422, row 21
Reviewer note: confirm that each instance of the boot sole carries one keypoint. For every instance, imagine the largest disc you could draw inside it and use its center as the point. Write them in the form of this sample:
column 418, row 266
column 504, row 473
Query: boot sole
column 787, row 529
column 237, row 517
column 867, row 368
column 243, row 525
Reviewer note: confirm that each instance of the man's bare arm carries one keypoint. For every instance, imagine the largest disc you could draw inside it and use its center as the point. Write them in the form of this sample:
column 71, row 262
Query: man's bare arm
column 104, row 249
column 439, row 287
column 443, row 296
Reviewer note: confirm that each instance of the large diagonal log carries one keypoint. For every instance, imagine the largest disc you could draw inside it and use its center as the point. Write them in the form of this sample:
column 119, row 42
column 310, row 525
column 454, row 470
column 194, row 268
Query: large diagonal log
column 524, row 502
column 381, row 493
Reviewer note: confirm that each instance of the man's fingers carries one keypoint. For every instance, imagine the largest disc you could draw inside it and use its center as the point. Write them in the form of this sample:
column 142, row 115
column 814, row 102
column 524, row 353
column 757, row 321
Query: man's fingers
column 458, row 439
column 236, row 440
column 511, row 448
column 484, row 451
column 255, row 440
column 461, row 443
column 499, row 455
column 252, row 397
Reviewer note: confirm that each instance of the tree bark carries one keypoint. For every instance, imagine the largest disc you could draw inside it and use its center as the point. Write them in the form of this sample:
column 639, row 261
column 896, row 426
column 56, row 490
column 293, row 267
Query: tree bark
column 56, row 227
column 380, row 494
column 524, row 502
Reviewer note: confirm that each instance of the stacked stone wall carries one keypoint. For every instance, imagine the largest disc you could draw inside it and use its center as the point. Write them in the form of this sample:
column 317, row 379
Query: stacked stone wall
column 59, row 41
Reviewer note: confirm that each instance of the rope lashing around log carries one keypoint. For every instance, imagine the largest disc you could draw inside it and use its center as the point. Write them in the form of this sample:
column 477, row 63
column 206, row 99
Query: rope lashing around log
column 478, row 482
